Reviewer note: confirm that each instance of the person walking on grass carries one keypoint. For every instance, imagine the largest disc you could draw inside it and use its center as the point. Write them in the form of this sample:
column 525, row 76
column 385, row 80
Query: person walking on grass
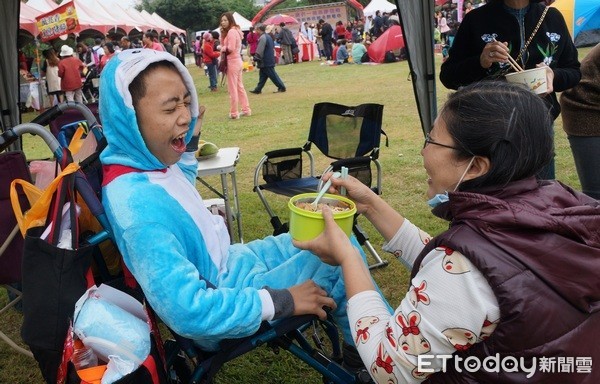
column 265, row 61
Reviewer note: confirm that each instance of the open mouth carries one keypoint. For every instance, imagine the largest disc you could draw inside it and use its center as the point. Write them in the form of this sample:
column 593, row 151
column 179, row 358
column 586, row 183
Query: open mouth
column 178, row 143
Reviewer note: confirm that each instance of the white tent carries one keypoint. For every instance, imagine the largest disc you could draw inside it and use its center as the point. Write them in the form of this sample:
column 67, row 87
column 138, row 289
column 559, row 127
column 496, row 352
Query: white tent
column 378, row 5
column 240, row 20
column 42, row 5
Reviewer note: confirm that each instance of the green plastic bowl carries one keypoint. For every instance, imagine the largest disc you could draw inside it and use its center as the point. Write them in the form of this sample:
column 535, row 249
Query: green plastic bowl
column 306, row 225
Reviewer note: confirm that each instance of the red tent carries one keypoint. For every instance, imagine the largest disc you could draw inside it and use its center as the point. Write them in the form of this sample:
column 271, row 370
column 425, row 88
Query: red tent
column 307, row 48
column 389, row 40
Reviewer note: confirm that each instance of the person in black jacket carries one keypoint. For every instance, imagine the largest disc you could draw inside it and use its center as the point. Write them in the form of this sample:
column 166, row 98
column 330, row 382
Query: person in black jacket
column 327, row 36
column 489, row 34
column 265, row 61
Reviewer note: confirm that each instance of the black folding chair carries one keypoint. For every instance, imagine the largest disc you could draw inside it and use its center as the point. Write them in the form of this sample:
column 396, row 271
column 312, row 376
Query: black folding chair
column 350, row 135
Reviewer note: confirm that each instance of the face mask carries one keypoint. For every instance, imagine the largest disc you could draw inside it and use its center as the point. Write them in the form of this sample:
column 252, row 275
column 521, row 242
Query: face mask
column 441, row 198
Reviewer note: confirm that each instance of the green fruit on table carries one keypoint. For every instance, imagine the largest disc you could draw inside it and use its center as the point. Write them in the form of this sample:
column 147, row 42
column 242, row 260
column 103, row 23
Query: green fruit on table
column 207, row 148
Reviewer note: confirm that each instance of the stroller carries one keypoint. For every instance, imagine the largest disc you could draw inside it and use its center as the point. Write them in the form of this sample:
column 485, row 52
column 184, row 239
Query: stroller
column 90, row 87
column 47, row 331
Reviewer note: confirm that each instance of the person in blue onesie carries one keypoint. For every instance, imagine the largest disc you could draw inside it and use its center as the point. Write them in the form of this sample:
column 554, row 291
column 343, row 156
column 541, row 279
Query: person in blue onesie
column 169, row 241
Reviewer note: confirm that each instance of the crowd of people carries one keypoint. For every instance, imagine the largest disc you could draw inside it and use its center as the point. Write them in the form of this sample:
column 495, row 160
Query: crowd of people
column 69, row 72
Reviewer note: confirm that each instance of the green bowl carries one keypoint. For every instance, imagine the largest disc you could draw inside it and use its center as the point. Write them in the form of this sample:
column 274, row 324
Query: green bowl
column 306, row 225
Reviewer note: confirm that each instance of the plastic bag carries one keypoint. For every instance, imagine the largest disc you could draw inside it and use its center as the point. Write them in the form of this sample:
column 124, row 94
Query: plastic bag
column 109, row 329
column 43, row 171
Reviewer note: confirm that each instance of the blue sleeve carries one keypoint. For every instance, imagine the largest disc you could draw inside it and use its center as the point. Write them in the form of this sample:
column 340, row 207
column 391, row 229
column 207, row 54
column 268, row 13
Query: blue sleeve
column 172, row 286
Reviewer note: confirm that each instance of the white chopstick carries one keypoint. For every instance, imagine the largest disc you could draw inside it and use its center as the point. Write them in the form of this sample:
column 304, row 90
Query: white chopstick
column 513, row 63
column 344, row 176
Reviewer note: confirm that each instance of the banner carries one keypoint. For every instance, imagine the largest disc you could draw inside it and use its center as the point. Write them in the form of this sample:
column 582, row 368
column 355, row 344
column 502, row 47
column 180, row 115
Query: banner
column 59, row 21
column 331, row 13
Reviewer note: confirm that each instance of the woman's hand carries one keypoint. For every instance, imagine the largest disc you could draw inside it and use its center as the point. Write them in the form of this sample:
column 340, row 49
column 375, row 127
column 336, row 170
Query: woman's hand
column 310, row 299
column 332, row 246
column 549, row 78
column 493, row 52
column 355, row 190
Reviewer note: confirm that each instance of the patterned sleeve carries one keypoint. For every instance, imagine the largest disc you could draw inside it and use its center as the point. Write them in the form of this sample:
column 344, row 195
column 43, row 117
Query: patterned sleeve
column 448, row 307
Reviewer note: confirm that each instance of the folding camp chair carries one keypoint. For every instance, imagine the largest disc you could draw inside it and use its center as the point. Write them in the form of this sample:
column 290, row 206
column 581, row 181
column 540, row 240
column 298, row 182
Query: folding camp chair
column 12, row 166
column 348, row 134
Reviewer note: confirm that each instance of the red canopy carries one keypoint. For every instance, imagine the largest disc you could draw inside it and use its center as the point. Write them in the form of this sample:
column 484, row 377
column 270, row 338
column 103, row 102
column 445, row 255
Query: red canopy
column 389, row 40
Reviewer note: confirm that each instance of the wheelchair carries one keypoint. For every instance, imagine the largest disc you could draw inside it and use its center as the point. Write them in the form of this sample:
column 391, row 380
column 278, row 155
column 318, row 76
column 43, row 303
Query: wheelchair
column 176, row 360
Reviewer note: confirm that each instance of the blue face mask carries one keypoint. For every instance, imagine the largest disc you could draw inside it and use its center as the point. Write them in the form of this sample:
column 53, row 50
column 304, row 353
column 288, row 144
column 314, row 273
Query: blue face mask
column 438, row 199
column 442, row 198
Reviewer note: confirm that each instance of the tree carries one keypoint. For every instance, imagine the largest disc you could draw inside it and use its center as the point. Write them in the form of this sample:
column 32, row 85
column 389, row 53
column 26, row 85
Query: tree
column 196, row 15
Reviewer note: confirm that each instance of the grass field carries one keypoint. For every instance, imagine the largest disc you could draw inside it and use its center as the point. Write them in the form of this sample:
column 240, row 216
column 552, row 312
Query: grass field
column 281, row 120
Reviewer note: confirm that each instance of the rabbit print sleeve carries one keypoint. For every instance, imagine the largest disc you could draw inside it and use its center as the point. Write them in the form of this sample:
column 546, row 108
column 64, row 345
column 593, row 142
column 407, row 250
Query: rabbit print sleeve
column 449, row 307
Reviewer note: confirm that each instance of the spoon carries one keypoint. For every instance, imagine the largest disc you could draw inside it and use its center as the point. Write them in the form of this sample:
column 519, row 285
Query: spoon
column 335, row 175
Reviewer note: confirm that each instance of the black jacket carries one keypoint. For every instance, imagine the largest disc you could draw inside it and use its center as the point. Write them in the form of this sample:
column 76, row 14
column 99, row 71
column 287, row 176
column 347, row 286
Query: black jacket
column 552, row 45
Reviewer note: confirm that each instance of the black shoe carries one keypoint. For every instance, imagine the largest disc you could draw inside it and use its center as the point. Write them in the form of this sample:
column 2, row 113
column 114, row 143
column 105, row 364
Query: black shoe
column 280, row 90
column 255, row 92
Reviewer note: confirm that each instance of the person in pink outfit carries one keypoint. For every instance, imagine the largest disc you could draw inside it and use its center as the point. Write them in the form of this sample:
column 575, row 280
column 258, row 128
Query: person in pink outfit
column 231, row 45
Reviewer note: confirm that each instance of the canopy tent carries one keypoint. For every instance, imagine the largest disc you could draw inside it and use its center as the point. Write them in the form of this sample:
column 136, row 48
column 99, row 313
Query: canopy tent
column 91, row 16
column 168, row 27
column 378, row 5
column 100, row 16
column 240, row 20
column 27, row 18
column 9, row 69
column 42, row 5
column 583, row 20
column 417, row 24
column 118, row 14
column 389, row 40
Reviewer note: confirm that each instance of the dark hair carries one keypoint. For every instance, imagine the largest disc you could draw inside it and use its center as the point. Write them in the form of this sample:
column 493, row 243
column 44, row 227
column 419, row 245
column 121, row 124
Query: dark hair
column 137, row 88
column 110, row 46
column 282, row 24
column 215, row 35
column 507, row 123
column 52, row 57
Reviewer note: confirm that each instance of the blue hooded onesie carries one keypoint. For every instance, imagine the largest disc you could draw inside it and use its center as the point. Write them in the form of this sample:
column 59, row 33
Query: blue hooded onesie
column 169, row 240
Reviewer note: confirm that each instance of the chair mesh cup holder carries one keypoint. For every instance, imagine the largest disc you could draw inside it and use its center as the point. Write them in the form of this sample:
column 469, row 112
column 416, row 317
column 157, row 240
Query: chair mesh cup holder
column 350, row 136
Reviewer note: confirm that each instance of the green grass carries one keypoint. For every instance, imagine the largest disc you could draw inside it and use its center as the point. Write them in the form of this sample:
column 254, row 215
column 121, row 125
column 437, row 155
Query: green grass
column 281, row 120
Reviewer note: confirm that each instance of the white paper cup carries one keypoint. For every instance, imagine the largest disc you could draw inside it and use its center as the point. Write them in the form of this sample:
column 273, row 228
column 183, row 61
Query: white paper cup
column 534, row 78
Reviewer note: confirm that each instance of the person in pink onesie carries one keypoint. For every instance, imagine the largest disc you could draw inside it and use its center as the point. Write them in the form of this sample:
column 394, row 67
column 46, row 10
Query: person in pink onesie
column 231, row 37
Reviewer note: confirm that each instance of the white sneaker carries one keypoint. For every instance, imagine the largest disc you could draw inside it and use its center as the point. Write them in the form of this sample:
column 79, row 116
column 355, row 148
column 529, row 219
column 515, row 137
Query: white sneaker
column 234, row 117
column 246, row 114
